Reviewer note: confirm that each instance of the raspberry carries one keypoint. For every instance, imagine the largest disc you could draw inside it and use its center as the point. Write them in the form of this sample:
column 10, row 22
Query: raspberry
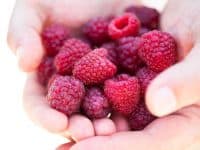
column 95, row 104
column 142, row 31
column 140, row 117
column 112, row 54
column 159, row 50
column 94, row 67
column 97, row 30
column 45, row 70
column 128, row 53
column 123, row 93
column 149, row 17
column 72, row 50
column 125, row 25
column 53, row 37
column 65, row 94
column 145, row 76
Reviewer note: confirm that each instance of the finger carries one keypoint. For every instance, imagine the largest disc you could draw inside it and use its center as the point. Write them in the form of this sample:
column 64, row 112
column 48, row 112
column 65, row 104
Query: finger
column 120, row 122
column 39, row 111
column 161, row 134
column 79, row 128
column 104, row 126
column 66, row 146
column 24, row 35
column 176, row 87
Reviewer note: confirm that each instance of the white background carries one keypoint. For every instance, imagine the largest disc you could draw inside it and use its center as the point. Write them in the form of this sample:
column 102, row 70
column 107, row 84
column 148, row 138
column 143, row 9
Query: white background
column 16, row 131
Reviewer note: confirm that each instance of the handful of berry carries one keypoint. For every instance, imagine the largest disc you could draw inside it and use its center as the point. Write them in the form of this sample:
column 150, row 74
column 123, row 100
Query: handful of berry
column 108, row 67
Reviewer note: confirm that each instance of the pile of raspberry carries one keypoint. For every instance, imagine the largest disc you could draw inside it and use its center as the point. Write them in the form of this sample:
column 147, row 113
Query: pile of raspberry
column 108, row 67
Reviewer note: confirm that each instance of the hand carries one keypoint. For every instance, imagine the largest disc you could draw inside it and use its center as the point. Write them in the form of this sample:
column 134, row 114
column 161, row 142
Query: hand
column 176, row 89
column 24, row 39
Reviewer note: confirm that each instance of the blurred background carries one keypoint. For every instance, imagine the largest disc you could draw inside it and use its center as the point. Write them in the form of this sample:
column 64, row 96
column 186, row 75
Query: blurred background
column 16, row 130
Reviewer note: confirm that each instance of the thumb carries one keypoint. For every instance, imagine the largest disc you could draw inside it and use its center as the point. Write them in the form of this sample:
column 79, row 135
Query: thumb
column 23, row 35
column 177, row 87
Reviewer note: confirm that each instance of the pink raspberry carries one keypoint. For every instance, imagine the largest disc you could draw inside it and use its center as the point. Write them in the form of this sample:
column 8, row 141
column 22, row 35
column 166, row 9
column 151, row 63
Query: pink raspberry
column 112, row 54
column 149, row 17
column 128, row 53
column 123, row 92
column 140, row 117
column 97, row 30
column 53, row 37
column 94, row 67
column 145, row 76
column 72, row 50
column 65, row 94
column 159, row 50
column 45, row 70
column 95, row 105
column 122, row 26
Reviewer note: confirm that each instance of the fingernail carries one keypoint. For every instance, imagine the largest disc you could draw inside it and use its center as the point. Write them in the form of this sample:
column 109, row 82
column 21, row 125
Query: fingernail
column 163, row 102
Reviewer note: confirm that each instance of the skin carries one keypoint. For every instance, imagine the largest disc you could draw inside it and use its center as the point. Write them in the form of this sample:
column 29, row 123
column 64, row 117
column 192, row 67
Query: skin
column 176, row 90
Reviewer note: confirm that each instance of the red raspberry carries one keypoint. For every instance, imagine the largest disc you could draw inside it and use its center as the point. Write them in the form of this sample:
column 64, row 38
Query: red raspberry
column 149, row 17
column 97, row 30
column 140, row 117
column 45, row 70
column 128, row 53
column 123, row 93
column 72, row 50
column 93, row 68
column 112, row 54
column 145, row 76
column 125, row 25
column 53, row 37
column 95, row 104
column 159, row 50
column 65, row 94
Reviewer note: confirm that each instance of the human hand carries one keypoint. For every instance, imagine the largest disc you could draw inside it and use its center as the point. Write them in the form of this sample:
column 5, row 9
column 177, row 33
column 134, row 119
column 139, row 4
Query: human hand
column 24, row 39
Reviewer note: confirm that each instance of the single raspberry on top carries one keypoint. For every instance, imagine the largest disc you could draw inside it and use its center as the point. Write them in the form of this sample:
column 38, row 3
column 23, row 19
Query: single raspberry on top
column 95, row 105
column 65, row 94
column 72, row 50
column 140, row 117
column 145, row 76
column 149, row 17
column 123, row 93
column 45, row 70
column 94, row 68
column 53, row 37
column 159, row 50
column 96, row 30
column 126, row 25
column 128, row 53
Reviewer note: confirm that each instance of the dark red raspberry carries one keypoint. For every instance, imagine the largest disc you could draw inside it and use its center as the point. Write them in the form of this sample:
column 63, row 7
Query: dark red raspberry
column 149, row 17
column 94, row 67
column 140, row 117
column 72, row 50
column 97, row 30
column 145, row 76
column 112, row 54
column 45, row 70
column 123, row 93
column 95, row 105
column 128, row 53
column 65, row 94
column 53, row 37
column 125, row 25
column 159, row 50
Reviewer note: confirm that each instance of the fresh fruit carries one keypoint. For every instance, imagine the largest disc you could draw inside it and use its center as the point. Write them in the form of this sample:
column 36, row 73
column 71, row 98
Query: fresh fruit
column 93, row 68
column 158, row 50
column 72, row 50
column 65, row 94
column 123, row 93
column 122, row 26
column 95, row 105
